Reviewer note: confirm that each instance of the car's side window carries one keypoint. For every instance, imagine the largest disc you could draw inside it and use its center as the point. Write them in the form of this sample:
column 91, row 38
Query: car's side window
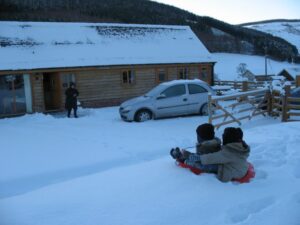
column 176, row 90
column 196, row 89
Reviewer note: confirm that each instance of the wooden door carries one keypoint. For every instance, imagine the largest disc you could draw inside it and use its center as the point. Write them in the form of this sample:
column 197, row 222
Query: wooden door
column 52, row 89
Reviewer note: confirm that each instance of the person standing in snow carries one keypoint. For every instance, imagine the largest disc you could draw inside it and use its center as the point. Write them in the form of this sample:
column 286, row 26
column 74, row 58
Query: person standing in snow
column 230, row 162
column 207, row 143
column 71, row 99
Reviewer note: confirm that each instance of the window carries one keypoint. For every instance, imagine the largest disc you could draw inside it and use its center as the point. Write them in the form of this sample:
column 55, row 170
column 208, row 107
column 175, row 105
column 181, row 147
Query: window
column 183, row 73
column 196, row 89
column 161, row 75
column 67, row 79
column 127, row 77
column 173, row 91
column 15, row 94
column 203, row 73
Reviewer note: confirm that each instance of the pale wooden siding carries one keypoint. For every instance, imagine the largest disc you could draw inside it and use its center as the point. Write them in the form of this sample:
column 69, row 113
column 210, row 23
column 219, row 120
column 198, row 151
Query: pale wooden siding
column 172, row 73
column 105, row 85
column 193, row 72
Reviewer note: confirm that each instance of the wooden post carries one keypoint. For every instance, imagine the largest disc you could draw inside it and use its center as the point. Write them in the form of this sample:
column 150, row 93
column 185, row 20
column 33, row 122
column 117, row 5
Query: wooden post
column 269, row 98
column 245, row 86
column 209, row 109
column 297, row 80
column 235, row 85
column 285, row 103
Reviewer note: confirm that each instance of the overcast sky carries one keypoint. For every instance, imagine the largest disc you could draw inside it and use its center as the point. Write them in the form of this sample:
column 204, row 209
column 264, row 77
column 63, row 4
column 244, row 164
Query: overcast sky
column 240, row 11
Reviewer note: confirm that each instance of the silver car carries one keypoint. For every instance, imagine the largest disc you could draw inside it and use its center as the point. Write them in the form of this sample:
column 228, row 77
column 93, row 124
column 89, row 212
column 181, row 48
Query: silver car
column 173, row 98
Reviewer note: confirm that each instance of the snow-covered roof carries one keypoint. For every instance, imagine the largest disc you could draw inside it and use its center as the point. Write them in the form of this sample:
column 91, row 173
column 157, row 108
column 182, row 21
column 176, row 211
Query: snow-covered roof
column 295, row 71
column 33, row 45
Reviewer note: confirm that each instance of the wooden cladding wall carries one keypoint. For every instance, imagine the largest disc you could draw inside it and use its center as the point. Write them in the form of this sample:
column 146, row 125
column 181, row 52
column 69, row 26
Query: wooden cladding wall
column 104, row 87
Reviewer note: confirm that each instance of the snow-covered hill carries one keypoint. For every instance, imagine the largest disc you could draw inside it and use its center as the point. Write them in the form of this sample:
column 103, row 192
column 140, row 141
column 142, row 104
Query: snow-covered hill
column 290, row 31
column 226, row 66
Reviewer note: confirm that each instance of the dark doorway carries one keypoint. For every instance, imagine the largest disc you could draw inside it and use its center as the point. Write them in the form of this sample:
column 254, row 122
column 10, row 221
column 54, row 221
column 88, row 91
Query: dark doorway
column 52, row 91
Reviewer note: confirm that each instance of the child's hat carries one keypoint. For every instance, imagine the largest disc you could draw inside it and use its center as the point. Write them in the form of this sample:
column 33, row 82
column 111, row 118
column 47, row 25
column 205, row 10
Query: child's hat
column 232, row 134
column 206, row 131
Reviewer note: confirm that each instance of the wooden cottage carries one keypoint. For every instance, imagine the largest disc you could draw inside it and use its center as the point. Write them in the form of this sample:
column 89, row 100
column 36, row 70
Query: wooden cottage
column 257, row 76
column 108, row 62
column 290, row 73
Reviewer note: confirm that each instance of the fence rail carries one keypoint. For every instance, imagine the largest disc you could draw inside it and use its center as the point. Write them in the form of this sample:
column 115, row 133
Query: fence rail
column 236, row 107
column 245, row 105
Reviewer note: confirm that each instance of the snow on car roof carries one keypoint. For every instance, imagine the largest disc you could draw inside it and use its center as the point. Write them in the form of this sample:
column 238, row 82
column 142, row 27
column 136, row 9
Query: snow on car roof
column 183, row 82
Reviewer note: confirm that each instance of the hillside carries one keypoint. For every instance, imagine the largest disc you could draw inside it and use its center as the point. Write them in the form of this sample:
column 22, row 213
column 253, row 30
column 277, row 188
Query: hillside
column 216, row 35
column 286, row 29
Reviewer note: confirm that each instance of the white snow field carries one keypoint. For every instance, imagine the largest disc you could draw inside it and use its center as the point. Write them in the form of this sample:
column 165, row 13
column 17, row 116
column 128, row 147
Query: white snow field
column 98, row 169
column 226, row 66
column 289, row 31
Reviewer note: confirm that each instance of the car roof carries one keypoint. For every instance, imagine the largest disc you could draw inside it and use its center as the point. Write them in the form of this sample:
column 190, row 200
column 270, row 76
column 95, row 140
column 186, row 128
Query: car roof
column 195, row 81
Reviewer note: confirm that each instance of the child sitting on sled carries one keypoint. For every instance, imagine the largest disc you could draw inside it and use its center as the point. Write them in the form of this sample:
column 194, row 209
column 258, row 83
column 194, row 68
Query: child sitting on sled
column 207, row 143
column 229, row 163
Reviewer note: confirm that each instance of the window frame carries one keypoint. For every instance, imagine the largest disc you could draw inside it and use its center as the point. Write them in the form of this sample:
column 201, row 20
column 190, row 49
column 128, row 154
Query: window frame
column 130, row 77
column 204, row 73
column 185, row 74
column 157, row 75
column 67, row 78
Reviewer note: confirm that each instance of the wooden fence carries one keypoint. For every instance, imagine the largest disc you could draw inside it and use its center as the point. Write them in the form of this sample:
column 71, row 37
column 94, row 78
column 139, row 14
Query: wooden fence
column 249, row 85
column 245, row 105
column 290, row 105
column 236, row 107
column 241, row 85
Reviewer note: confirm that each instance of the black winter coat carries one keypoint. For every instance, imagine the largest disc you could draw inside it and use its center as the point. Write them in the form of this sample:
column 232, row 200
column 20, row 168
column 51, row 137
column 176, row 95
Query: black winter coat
column 71, row 98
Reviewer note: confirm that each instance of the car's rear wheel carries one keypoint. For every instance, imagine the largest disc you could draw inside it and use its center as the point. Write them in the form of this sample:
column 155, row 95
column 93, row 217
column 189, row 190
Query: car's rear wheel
column 143, row 115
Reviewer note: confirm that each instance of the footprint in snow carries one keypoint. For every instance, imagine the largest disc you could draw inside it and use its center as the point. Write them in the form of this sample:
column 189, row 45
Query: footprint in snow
column 296, row 169
column 243, row 211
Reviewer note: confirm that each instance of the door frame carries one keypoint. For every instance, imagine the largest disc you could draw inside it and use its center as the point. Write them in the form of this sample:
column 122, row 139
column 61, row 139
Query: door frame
column 54, row 103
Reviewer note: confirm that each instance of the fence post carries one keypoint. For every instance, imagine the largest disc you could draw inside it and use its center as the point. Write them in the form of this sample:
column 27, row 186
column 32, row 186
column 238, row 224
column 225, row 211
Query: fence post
column 269, row 97
column 285, row 116
column 297, row 80
column 235, row 85
column 209, row 109
column 245, row 86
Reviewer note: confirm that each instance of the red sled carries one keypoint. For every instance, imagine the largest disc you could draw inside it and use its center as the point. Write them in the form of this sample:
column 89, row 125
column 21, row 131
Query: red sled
column 192, row 169
column 245, row 179
column 249, row 175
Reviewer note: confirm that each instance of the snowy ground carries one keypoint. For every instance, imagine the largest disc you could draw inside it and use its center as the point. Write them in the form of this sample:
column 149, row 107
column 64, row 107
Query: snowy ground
column 226, row 66
column 100, row 170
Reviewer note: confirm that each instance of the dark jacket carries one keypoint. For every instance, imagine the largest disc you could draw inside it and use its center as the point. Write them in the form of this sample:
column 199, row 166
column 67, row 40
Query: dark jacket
column 231, row 160
column 71, row 98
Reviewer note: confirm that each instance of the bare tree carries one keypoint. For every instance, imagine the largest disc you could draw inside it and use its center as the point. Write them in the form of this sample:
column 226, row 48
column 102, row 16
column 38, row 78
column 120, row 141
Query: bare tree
column 241, row 69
